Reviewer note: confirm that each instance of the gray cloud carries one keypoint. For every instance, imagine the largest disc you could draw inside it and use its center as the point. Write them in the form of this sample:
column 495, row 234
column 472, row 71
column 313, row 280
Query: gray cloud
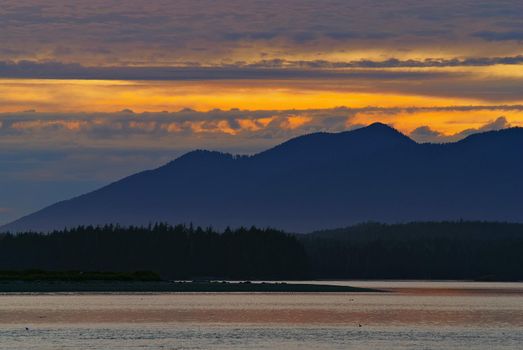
column 264, row 69
column 168, row 129
column 498, row 124
column 392, row 63
column 372, row 35
column 384, row 64
column 235, row 36
column 172, row 31
column 426, row 134
column 500, row 36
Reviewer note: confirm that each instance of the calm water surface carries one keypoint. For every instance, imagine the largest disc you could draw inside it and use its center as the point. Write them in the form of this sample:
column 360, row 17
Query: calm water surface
column 413, row 315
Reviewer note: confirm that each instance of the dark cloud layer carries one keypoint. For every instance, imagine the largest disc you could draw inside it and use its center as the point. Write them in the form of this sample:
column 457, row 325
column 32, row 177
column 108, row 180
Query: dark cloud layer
column 500, row 36
column 264, row 69
column 220, row 31
column 25, row 129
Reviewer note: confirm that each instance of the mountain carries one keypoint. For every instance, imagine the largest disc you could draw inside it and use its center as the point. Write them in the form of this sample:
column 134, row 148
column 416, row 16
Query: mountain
column 315, row 181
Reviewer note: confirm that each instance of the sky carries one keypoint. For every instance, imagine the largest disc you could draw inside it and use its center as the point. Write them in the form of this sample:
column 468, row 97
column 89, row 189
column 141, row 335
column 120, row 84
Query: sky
column 91, row 91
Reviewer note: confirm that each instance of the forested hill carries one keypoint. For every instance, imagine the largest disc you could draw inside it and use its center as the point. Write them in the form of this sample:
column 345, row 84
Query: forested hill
column 424, row 250
column 471, row 230
column 445, row 250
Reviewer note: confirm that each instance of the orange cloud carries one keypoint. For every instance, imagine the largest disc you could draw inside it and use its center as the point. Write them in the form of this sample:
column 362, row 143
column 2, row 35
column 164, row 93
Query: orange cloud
column 295, row 121
column 147, row 126
column 296, row 96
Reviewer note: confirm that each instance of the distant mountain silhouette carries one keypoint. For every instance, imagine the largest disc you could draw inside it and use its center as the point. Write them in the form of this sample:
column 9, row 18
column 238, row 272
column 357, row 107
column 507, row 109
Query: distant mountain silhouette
column 315, row 181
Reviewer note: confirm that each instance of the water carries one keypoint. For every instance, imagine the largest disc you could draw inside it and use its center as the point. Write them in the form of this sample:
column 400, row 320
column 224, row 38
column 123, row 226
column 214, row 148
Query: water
column 415, row 315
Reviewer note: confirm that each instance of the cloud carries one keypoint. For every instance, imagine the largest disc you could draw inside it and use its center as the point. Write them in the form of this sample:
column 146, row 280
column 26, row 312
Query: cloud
column 498, row 124
column 500, row 36
column 175, row 31
column 265, row 70
column 389, row 63
column 185, row 123
column 426, row 134
column 159, row 128
column 151, row 90
column 371, row 35
column 235, row 36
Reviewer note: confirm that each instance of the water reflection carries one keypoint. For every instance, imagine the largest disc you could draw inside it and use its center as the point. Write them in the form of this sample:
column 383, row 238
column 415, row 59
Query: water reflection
column 415, row 314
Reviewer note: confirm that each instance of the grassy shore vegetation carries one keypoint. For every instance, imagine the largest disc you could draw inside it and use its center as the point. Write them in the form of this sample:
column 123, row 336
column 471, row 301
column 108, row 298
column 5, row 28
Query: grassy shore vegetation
column 446, row 250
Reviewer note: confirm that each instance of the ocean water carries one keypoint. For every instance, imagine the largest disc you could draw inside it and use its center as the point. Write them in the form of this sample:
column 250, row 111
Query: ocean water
column 412, row 315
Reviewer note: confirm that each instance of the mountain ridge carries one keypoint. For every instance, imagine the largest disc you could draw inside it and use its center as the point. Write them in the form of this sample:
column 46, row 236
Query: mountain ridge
column 314, row 181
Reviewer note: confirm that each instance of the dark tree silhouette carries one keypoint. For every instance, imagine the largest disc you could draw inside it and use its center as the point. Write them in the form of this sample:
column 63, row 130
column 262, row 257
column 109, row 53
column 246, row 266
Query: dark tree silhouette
column 176, row 252
column 424, row 250
column 428, row 250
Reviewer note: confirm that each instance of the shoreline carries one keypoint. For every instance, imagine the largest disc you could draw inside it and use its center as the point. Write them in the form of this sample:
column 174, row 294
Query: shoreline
column 7, row 287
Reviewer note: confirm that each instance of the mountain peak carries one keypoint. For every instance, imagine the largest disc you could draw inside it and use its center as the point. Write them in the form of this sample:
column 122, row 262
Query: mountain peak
column 199, row 160
column 382, row 129
column 382, row 135
column 379, row 125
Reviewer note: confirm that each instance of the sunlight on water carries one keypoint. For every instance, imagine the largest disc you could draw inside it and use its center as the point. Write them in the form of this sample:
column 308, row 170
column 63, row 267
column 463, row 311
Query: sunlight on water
column 415, row 315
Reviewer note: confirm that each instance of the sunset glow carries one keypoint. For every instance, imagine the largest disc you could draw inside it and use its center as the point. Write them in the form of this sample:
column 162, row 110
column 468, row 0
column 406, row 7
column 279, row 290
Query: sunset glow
column 135, row 85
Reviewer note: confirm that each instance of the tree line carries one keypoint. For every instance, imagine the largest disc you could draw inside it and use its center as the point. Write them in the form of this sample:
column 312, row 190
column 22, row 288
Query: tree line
column 425, row 250
column 174, row 252
column 419, row 250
